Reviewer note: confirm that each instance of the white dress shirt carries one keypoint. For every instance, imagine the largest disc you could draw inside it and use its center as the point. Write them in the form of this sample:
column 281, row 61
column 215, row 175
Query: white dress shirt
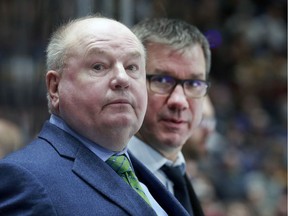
column 153, row 160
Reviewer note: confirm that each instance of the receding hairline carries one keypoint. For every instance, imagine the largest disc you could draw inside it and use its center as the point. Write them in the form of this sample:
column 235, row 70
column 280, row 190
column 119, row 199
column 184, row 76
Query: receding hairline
column 77, row 26
column 63, row 39
column 102, row 22
column 100, row 19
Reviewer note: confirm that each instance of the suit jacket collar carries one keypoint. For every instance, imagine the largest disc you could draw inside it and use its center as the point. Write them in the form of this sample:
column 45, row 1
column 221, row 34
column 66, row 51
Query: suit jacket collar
column 151, row 158
column 196, row 206
column 93, row 171
column 164, row 198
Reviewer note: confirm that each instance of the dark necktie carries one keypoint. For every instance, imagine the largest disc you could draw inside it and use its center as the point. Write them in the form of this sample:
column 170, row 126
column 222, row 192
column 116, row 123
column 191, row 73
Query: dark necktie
column 122, row 167
column 180, row 186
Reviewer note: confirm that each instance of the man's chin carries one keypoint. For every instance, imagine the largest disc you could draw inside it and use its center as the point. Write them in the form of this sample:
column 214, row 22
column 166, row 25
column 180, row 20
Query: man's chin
column 173, row 142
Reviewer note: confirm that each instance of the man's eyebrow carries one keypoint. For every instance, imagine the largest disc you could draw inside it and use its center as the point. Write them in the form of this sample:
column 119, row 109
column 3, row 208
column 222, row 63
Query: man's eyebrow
column 197, row 76
column 169, row 73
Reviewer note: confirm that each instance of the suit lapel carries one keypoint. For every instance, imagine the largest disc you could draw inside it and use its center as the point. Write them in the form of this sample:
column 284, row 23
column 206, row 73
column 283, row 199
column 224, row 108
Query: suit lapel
column 164, row 198
column 94, row 172
column 197, row 209
column 104, row 179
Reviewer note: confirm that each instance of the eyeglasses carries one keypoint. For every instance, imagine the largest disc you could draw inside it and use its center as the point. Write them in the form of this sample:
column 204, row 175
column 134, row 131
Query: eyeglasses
column 163, row 84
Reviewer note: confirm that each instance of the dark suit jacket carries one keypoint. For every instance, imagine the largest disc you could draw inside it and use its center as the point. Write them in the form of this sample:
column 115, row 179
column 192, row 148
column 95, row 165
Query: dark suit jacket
column 57, row 175
column 197, row 209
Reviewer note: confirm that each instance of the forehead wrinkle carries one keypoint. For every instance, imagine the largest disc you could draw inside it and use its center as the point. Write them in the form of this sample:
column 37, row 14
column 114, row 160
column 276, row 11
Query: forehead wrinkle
column 101, row 51
column 95, row 50
column 96, row 44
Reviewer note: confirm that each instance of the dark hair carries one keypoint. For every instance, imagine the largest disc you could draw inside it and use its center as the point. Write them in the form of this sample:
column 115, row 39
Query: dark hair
column 173, row 32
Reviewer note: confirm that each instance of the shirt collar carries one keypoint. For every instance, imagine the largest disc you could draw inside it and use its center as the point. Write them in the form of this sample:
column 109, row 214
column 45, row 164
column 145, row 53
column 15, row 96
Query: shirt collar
column 152, row 159
column 101, row 152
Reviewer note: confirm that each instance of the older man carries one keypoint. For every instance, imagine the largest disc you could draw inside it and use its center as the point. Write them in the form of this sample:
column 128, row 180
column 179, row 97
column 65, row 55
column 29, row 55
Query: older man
column 79, row 164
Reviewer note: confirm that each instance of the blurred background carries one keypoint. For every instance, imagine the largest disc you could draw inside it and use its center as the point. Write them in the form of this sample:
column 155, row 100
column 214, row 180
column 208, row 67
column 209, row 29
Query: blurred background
column 243, row 170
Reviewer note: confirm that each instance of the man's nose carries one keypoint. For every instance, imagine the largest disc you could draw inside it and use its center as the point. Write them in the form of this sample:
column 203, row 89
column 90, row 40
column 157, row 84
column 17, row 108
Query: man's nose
column 177, row 99
column 120, row 77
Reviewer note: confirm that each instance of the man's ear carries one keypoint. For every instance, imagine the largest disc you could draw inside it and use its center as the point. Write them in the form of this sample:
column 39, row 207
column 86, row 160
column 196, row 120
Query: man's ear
column 52, row 83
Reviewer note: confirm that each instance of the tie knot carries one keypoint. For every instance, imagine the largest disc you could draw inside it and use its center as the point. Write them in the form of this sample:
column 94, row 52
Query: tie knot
column 119, row 163
column 174, row 174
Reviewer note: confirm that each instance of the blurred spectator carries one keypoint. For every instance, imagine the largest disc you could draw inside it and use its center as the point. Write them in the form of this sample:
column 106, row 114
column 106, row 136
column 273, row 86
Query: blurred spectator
column 281, row 208
column 196, row 149
column 195, row 146
column 268, row 31
column 239, row 208
column 10, row 137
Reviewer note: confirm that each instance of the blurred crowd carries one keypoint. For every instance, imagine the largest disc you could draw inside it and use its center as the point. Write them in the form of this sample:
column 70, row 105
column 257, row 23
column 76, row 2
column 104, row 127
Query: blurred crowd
column 243, row 171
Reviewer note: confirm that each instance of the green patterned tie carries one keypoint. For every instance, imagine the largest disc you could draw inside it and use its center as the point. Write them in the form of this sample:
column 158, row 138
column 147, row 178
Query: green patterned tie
column 122, row 167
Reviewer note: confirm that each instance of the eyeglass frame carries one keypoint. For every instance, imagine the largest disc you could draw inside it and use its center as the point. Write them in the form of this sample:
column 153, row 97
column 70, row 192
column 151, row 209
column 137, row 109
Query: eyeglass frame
column 177, row 81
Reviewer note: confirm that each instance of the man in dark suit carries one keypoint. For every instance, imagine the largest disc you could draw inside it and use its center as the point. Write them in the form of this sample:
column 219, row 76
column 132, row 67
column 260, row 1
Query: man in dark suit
column 178, row 63
column 79, row 162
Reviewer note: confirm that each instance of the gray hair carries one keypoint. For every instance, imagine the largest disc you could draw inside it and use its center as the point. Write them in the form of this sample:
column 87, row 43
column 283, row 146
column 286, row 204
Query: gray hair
column 56, row 50
column 58, row 47
column 173, row 32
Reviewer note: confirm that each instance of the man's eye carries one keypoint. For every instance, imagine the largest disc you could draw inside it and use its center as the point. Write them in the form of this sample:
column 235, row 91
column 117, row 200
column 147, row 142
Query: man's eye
column 164, row 79
column 132, row 68
column 195, row 83
column 98, row 67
